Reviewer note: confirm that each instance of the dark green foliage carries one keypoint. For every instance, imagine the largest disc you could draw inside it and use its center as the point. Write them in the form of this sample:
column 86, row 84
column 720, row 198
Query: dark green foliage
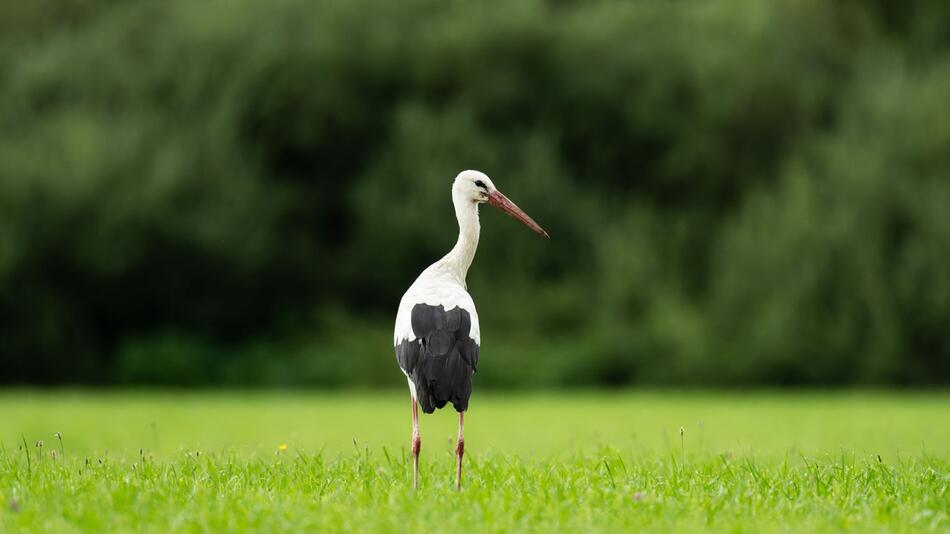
column 238, row 193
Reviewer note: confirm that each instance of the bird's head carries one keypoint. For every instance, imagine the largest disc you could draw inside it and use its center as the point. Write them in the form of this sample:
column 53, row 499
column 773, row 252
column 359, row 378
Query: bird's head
column 475, row 186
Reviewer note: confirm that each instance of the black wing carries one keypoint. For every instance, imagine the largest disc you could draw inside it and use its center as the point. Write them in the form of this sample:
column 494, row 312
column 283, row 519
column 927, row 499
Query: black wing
column 441, row 360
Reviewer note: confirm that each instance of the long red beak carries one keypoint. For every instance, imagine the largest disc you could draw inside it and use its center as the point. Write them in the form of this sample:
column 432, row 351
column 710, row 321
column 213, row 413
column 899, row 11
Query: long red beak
column 500, row 201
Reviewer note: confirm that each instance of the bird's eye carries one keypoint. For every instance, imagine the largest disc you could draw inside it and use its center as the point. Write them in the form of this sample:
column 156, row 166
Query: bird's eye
column 480, row 183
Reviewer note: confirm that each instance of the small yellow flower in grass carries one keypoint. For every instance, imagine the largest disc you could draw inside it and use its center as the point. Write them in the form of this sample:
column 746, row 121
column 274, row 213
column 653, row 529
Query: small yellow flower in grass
column 282, row 447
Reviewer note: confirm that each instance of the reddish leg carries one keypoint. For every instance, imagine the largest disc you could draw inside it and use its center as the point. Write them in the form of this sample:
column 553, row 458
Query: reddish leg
column 416, row 444
column 459, row 452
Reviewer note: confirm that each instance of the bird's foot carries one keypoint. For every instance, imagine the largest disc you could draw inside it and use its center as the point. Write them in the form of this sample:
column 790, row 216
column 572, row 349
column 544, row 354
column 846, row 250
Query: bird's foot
column 416, row 447
column 459, row 452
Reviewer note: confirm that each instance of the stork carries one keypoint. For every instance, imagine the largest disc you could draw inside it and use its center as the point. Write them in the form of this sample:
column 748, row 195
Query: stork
column 437, row 336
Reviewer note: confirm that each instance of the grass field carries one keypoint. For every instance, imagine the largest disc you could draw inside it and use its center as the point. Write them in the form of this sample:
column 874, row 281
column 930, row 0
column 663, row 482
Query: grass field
column 655, row 461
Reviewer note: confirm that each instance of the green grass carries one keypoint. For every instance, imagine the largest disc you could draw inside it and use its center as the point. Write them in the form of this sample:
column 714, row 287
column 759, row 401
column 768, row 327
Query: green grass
column 552, row 462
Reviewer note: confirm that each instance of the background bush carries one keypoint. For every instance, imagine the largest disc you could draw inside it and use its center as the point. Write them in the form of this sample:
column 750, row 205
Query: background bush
column 239, row 192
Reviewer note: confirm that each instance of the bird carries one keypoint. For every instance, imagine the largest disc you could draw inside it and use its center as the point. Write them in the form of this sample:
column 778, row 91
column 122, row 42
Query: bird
column 437, row 336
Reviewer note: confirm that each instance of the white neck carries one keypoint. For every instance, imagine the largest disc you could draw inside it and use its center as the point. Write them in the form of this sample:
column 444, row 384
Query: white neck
column 459, row 259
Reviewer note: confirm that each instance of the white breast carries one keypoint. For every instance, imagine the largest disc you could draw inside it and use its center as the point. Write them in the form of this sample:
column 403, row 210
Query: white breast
column 434, row 288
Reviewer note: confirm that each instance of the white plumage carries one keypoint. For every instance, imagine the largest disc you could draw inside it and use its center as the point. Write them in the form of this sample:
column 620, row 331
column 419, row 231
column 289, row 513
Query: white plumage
column 435, row 286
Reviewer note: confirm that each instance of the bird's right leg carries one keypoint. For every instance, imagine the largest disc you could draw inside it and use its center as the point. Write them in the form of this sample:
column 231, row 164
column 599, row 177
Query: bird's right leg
column 459, row 451
column 416, row 443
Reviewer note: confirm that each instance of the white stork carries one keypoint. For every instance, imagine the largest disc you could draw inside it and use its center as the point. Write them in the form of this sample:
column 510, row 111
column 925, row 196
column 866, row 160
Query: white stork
column 437, row 335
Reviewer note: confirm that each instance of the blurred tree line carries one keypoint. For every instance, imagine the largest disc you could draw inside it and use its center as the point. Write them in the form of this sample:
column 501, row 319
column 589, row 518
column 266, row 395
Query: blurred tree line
column 239, row 192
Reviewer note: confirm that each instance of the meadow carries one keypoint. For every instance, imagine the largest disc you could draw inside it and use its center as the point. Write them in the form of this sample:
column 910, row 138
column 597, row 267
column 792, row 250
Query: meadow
column 78, row 461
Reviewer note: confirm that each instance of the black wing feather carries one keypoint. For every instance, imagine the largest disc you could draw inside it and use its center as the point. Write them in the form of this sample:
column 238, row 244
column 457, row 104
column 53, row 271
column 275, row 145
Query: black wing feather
column 442, row 358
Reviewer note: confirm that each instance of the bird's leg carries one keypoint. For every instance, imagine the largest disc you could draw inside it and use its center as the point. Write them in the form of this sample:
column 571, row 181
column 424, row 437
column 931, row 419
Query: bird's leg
column 459, row 452
column 416, row 444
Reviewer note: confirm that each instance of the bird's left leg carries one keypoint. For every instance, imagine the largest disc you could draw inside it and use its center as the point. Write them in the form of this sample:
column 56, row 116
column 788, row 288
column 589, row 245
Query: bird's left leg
column 459, row 452
column 416, row 443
